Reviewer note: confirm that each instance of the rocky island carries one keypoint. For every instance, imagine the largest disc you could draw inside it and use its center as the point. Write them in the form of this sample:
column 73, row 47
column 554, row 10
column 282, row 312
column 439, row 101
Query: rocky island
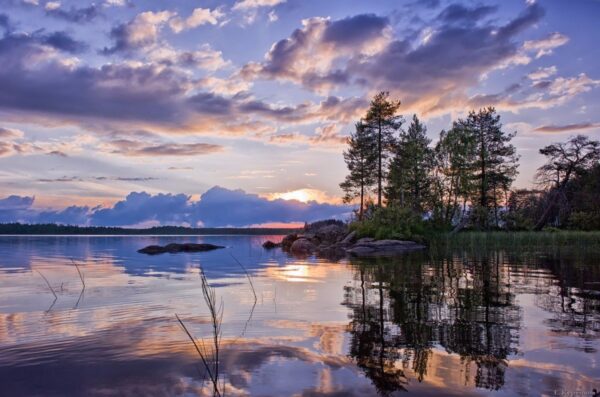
column 332, row 238
column 174, row 248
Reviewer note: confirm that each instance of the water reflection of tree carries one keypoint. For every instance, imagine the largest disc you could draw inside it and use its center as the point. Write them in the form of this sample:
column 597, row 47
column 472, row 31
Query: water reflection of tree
column 465, row 303
column 403, row 308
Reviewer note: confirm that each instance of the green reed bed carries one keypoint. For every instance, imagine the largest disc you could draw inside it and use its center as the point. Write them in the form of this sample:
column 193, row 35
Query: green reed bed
column 520, row 240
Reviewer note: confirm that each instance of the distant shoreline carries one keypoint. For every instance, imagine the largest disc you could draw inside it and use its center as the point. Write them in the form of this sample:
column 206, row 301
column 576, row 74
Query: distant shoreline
column 17, row 229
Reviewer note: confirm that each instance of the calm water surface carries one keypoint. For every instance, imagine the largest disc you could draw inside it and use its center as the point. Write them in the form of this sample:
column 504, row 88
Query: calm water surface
column 454, row 323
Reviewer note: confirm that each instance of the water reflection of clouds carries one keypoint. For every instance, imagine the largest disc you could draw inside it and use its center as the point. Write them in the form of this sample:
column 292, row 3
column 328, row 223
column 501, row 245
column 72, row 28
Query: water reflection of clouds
column 318, row 328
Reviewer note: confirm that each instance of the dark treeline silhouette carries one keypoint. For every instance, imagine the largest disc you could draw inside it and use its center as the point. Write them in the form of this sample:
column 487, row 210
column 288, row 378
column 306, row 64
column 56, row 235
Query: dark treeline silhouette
column 51, row 228
column 403, row 309
column 465, row 179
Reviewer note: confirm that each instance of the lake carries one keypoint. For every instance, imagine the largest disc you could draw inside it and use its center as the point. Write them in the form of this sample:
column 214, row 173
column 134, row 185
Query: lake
column 442, row 322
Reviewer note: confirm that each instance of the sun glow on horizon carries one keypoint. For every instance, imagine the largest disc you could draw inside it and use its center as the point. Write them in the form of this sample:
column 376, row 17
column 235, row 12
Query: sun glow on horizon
column 304, row 195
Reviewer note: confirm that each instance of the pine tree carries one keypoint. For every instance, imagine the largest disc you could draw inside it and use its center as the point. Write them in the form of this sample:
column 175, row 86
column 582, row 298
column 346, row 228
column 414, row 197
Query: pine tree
column 361, row 159
column 409, row 179
column 383, row 121
column 495, row 165
column 452, row 185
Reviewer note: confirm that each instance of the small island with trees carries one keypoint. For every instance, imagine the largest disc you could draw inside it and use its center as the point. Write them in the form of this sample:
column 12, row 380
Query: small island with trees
column 407, row 188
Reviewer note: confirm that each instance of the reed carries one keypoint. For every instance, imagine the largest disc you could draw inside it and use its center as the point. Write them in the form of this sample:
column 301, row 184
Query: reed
column 48, row 284
column 209, row 353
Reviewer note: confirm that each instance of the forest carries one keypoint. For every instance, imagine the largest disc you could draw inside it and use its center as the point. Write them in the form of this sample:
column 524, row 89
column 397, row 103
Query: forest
column 405, row 185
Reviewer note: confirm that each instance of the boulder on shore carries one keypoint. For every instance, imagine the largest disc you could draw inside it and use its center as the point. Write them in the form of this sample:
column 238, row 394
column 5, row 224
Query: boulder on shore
column 175, row 248
column 287, row 241
column 270, row 245
column 302, row 246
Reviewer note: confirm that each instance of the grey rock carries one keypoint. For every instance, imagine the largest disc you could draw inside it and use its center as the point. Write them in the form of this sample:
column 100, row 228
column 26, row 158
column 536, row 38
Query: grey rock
column 302, row 246
column 270, row 245
column 287, row 241
column 331, row 233
column 349, row 239
column 365, row 240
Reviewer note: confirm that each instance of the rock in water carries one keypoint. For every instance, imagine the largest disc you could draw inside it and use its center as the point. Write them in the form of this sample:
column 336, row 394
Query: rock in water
column 302, row 246
column 175, row 248
column 270, row 245
column 287, row 241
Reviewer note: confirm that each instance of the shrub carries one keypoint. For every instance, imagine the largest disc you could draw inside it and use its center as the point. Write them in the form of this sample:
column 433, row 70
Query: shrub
column 391, row 223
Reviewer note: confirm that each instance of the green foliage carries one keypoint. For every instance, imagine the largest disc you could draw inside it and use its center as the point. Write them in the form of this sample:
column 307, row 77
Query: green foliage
column 361, row 160
column 550, row 238
column 391, row 223
column 410, row 171
column 383, row 121
column 582, row 220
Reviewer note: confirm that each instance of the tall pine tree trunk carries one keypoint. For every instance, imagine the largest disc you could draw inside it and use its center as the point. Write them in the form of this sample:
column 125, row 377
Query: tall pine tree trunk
column 483, row 188
column 362, row 201
column 379, row 170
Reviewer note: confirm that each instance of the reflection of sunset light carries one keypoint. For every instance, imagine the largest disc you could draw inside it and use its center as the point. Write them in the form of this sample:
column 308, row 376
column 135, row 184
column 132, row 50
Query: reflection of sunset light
column 298, row 273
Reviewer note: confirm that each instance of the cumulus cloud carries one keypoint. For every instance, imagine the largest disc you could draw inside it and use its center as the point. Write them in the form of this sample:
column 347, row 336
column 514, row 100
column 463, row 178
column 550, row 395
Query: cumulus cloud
column 15, row 208
column 39, row 83
column 141, row 31
column 218, row 207
column 200, row 16
column 307, row 57
column 362, row 51
column 222, row 207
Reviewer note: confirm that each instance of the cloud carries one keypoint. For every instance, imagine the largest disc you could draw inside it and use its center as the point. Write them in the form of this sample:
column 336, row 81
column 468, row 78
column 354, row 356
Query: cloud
column 10, row 133
column 40, row 84
column 5, row 22
column 204, row 58
column 115, row 3
column 540, row 94
column 328, row 135
column 200, row 16
column 542, row 73
column 218, row 207
column 250, row 4
column 13, row 208
column 546, row 45
column 307, row 57
column 73, row 14
column 458, row 13
column 57, row 153
column 272, row 16
column 64, row 42
column 222, row 207
column 136, row 148
column 142, row 31
column 567, row 127
column 361, row 51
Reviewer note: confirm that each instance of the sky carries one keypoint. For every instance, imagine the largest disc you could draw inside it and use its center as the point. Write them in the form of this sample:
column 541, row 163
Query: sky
column 235, row 113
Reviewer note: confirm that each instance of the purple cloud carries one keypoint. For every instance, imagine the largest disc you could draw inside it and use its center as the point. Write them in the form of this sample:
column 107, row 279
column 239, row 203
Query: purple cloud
column 218, row 207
